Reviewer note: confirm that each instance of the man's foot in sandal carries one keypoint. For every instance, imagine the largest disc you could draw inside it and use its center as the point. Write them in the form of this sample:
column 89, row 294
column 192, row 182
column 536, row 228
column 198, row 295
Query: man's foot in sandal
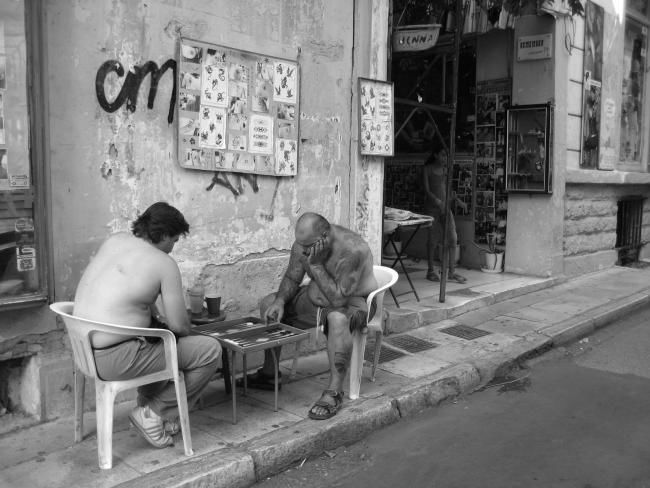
column 326, row 407
column 457, row 278
column 433, row 276
column 150, row 425
column 260, row 381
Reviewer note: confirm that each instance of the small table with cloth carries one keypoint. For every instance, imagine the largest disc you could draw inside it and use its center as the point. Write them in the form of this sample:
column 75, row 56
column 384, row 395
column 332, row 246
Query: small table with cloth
column 395, row 219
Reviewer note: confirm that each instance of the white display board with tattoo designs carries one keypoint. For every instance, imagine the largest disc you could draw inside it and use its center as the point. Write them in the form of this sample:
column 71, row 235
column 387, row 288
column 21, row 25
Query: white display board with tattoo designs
column 237, row 111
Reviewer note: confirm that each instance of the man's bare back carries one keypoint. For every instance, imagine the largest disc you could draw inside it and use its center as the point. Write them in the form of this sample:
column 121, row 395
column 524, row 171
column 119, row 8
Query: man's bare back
column 123, row 281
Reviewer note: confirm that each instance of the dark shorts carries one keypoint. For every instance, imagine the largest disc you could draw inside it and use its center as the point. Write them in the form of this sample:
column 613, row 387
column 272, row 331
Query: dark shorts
column 302, row 313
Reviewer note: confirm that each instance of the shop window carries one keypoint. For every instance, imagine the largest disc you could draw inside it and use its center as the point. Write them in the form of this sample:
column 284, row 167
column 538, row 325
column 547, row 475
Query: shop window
column 22, row 276
column 634, row 59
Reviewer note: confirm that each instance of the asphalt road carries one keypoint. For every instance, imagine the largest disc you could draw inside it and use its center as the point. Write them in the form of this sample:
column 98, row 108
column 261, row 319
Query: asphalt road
column 577, row 417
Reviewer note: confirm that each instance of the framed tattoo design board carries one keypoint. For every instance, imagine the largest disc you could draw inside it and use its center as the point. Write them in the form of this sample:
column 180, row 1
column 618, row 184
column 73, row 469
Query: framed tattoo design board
column 376, row 118
column 237, row 111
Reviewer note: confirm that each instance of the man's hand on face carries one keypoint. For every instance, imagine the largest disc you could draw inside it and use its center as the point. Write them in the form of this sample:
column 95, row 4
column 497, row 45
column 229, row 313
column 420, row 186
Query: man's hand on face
column 317, row 252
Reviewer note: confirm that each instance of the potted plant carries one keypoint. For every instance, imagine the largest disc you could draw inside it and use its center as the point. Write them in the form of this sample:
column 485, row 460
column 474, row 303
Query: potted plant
column 492, row 255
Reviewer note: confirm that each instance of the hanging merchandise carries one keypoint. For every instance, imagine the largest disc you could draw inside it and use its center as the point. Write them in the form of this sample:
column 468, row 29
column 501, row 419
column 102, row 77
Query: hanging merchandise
column 491, row 201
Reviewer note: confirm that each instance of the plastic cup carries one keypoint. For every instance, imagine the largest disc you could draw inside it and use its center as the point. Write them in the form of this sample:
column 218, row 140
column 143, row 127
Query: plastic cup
column 213, row 304
column 196, row 301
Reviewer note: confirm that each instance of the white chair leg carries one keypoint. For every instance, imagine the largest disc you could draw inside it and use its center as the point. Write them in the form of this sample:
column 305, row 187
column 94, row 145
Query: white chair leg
column 356, row 363
column 183, row 413
column 104, row 398
column 79, row 391
column 375, row 359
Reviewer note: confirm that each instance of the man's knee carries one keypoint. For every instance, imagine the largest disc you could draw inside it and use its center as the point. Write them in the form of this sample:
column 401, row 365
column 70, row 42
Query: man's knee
column 337, row 323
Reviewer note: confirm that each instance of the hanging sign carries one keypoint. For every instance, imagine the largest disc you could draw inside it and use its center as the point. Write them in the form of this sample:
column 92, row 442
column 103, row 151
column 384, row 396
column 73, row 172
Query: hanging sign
column 530, row 48
column 238, row 111
column 376, row 135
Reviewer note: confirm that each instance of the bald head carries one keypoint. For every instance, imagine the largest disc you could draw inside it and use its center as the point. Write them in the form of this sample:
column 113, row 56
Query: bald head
column 310, row 227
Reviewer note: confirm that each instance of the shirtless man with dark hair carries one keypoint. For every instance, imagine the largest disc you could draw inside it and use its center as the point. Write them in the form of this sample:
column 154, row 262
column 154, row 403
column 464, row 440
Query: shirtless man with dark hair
column 121, row 285
column 340, row 265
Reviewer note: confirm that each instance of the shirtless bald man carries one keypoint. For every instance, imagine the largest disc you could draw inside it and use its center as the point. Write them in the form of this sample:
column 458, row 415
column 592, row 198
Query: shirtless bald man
column 340, row 265
column 121, row 285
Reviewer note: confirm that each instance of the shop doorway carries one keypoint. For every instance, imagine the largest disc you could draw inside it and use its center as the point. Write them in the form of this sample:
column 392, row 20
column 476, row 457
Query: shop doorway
column 423, row 86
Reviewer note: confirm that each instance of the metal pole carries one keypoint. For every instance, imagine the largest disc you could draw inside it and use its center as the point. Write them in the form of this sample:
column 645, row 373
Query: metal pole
column 444, row 266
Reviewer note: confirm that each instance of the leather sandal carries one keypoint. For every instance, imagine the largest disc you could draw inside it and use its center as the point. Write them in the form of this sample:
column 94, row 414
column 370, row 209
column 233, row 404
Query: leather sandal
column 330, row 408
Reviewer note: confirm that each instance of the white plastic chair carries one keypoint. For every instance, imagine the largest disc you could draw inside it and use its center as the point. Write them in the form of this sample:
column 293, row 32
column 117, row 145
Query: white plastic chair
column 386, row 277
column 80, row 332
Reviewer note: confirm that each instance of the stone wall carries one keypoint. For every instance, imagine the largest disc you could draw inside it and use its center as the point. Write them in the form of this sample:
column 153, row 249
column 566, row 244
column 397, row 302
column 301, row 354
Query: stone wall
column 590, row 224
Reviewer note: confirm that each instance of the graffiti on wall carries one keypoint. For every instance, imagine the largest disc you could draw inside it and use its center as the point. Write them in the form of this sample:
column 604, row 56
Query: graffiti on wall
column 236, row 186
column 131, row 86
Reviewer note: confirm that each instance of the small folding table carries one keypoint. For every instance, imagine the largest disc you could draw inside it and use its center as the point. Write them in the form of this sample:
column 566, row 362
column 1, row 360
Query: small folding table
column 412, row 220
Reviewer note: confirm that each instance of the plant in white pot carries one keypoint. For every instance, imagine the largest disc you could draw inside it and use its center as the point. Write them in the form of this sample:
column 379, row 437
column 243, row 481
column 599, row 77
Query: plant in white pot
column 492, row 255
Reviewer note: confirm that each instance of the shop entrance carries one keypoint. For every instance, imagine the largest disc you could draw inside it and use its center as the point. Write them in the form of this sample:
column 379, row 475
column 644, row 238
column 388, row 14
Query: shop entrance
column 423, row 86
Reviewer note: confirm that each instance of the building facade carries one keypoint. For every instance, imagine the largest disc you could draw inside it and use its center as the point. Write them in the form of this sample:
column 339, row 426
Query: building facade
column 90, row 135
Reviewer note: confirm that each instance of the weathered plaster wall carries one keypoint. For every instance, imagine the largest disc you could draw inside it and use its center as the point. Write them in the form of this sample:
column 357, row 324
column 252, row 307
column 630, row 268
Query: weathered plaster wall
column 107, row 167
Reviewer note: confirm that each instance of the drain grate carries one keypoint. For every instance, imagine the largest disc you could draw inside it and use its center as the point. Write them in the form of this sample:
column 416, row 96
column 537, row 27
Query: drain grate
column 465, row 332
column 410, row 343
column 386, row 354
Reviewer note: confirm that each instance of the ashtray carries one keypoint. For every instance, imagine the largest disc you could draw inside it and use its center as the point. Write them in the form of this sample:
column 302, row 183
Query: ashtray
column 205, row 318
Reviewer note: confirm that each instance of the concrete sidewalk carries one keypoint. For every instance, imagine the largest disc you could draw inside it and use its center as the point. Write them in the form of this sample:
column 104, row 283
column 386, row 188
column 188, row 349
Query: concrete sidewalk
column 433, row 351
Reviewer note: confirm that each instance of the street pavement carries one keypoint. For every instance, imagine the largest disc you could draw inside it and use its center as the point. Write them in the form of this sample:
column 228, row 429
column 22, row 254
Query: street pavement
column 433, row 352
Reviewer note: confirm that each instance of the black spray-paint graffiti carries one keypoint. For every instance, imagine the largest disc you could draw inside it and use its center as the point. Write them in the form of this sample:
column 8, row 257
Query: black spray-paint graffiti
column 237, row 189
column 131, row 86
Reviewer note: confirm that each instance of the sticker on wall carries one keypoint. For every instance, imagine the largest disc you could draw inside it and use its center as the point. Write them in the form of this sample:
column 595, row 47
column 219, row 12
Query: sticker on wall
column 286, row 156
column 285, row 82
column 214, row 80
column 25, row 258
column 261, row 134
column 212, row 127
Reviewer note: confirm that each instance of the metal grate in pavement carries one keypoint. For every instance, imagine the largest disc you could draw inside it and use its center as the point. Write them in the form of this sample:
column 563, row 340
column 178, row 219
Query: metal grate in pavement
column 465, row 332
column 386, row 354
column 410, row 343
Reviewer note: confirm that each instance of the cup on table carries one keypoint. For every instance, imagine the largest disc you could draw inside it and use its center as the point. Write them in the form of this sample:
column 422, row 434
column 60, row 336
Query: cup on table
column 196, row 300
column 213, row 303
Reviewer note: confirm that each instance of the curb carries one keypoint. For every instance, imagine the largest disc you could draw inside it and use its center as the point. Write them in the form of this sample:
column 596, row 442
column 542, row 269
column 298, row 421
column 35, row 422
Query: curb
column 225, row 468
column 578, row 327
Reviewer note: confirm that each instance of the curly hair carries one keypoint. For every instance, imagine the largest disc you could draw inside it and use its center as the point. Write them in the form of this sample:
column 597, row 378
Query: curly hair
column 160, row 220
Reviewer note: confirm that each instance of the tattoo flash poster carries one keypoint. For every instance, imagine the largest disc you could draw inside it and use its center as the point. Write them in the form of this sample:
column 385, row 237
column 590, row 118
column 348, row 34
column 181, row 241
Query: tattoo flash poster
column 376, row 135
column 237, row 111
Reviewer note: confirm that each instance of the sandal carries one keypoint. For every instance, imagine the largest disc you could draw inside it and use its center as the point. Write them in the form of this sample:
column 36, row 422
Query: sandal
column 433, row 276
column 260, row 381
column 457, row 278
column 330, row 408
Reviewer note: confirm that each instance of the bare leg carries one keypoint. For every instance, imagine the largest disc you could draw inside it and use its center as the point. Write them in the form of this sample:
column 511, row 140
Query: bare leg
column 339, row 350
column 431, row 246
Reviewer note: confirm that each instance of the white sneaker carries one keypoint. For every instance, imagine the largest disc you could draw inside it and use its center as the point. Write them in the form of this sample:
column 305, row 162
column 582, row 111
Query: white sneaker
column 150, row 426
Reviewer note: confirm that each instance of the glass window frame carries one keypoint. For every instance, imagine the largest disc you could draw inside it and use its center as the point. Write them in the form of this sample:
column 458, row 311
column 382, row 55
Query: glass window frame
column 37, row 140
column 641, row 163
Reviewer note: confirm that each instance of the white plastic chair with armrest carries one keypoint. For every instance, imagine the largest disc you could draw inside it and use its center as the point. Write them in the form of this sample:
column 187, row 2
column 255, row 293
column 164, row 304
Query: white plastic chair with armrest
column 80, row 332
column 386, row 277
